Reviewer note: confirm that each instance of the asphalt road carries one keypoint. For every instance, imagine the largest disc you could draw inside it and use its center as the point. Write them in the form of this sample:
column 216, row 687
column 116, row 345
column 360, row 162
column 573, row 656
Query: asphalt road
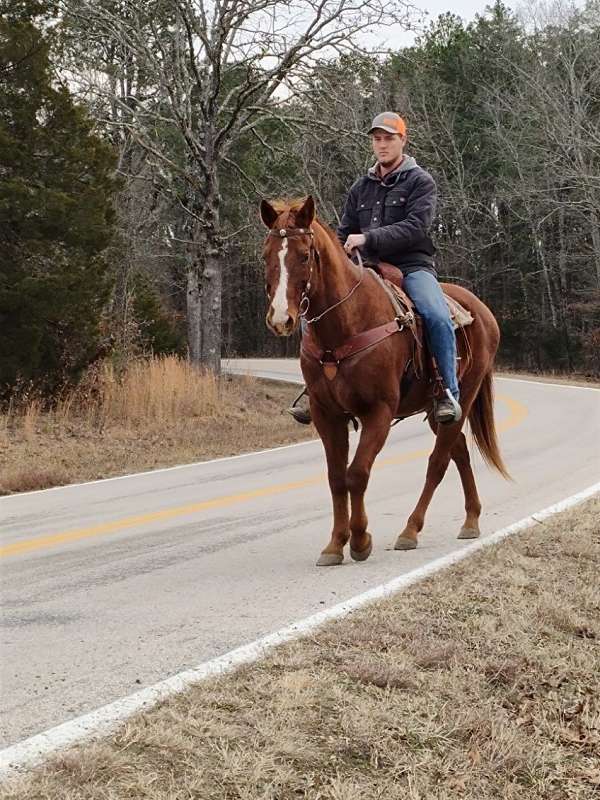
column 114, row 585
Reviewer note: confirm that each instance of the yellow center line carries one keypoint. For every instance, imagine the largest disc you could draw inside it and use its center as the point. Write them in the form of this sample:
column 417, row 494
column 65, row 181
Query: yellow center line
column 518, row 412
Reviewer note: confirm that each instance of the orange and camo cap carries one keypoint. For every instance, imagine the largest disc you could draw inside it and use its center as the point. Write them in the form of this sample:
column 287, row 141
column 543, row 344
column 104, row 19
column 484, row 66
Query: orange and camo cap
column 390, row 122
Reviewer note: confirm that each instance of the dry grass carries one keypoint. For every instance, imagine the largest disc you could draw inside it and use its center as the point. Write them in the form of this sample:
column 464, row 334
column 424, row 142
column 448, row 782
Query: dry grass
column 158, row 413
column 479, row 683
column 149, row 393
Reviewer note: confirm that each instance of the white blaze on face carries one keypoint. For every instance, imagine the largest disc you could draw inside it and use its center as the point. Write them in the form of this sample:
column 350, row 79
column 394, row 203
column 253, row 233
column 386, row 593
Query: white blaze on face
column 280, row 303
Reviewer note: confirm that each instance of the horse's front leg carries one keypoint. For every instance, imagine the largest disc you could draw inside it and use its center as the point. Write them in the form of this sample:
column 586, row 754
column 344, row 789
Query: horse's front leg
column 374, row 432
column 334, row 435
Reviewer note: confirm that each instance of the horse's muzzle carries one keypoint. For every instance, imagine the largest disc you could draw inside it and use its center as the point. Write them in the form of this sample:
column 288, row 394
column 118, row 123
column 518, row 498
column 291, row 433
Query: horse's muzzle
column 282, row 327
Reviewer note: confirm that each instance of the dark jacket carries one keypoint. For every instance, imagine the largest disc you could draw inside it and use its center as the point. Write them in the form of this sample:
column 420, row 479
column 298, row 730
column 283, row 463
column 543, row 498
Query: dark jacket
column 396, row 214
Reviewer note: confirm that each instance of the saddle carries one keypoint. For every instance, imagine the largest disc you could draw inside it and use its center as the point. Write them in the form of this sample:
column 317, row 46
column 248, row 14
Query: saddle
column 392, row 279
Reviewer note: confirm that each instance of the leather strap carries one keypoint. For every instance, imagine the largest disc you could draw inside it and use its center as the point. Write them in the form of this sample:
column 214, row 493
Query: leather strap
column 356, row 344
column 286, row 233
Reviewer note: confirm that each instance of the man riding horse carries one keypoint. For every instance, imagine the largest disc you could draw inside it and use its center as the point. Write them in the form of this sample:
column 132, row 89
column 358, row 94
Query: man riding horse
column 387, row 216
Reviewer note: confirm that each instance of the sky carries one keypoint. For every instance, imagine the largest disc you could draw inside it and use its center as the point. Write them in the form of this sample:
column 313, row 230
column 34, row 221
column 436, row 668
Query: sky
column 528, row 11
column 395, row 36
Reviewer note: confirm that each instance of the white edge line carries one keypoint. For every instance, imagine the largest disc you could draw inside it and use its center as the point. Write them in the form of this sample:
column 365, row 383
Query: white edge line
column 103, row 720
column 498, row 376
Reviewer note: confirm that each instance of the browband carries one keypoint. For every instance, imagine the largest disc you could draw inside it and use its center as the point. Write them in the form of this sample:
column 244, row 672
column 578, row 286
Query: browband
column 285, row 233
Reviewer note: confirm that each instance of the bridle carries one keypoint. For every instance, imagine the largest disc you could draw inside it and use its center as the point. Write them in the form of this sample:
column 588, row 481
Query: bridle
column 313, row 257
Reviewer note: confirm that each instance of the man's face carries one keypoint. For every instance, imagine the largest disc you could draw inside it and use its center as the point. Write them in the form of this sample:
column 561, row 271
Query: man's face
column 388, row 147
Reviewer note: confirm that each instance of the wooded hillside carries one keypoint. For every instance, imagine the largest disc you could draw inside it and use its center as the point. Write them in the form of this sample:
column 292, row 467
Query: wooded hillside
column 137, row 139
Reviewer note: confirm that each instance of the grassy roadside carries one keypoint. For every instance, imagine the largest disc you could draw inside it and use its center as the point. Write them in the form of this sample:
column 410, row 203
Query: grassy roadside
column 480, row 682
column 158, row 414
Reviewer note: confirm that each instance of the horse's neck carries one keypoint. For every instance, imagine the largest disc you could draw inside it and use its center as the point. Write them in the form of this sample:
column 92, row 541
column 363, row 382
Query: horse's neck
column 337, row 274
column 337, row 278
column 334, row 281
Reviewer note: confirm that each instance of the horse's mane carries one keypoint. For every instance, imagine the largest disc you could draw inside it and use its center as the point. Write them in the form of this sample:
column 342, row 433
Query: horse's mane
column 331, row 233
column 333, row 237
column 280, row 204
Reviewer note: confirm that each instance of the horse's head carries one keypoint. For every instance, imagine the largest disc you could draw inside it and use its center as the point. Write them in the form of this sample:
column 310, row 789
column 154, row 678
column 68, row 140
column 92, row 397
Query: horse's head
column 289, row 256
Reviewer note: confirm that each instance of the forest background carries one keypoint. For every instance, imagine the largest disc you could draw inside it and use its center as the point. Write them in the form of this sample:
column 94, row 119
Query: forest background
column 136, row 141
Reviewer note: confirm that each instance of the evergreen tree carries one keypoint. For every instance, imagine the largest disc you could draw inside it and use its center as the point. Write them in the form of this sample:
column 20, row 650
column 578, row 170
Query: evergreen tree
column 56, row 218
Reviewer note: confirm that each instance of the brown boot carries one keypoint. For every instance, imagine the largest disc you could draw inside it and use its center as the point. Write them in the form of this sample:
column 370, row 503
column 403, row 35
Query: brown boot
column 301, row 413
column 446, row 410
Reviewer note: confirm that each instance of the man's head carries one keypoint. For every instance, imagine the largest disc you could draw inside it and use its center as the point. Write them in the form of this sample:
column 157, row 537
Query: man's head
column 388, row 137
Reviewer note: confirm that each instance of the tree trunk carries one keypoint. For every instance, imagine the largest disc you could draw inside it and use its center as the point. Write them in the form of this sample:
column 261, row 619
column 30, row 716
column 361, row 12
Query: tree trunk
column 211, row 313
column 203, row 305
column 204, row 280
column 564, row 297
column 193, row 310
column 541, row 255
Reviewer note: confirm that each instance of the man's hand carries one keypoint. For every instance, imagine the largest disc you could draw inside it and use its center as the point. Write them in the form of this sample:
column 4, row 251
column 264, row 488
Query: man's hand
column 353, row 241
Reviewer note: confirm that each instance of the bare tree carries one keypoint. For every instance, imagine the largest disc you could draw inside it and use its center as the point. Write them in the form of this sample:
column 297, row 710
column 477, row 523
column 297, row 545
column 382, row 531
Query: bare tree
column 214, row 71
column 558, row 102
column 547, row 124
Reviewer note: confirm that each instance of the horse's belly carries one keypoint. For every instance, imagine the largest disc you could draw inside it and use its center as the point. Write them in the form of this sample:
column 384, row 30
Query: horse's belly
column 416, row 399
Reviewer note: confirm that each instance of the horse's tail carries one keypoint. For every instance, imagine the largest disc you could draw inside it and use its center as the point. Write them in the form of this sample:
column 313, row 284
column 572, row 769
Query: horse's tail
column 483, row 427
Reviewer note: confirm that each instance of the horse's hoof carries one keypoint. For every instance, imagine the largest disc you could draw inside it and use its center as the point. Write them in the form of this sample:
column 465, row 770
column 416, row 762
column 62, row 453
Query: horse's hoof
column 362, row 555
column 404, row 543
column 468, row 533
column 330, row 559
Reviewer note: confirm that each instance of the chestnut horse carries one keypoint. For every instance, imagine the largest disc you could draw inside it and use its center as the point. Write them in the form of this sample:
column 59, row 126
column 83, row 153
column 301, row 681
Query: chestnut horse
column 309, row 274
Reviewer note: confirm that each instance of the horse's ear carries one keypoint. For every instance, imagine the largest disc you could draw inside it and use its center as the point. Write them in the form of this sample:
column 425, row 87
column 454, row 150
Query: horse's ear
column 268, row 213
column 306, row 214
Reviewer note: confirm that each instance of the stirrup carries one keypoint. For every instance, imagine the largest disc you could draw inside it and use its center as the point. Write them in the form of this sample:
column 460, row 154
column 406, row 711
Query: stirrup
column 301, row 415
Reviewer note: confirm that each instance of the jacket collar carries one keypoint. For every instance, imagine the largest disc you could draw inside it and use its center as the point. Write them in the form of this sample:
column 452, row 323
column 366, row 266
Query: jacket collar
column 392, row 178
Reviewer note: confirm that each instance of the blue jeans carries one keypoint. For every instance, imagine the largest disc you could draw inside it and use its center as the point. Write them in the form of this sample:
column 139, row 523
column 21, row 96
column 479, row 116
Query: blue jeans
column 426, row 293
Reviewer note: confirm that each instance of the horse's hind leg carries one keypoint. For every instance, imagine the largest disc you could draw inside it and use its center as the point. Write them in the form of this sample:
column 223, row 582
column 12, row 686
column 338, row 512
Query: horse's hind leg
column 439, row 459
column 374, row 432
column 460, row 456
column 334, row 435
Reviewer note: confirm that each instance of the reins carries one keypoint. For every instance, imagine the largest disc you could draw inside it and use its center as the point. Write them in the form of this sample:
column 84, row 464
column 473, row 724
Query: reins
column 339, row 302
column 286, row 233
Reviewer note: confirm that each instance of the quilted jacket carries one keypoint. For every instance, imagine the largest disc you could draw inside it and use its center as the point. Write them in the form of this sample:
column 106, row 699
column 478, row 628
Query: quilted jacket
column 396, row 214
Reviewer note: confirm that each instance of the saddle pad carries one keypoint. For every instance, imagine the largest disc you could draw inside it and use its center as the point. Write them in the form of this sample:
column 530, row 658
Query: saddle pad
column 458, row 314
